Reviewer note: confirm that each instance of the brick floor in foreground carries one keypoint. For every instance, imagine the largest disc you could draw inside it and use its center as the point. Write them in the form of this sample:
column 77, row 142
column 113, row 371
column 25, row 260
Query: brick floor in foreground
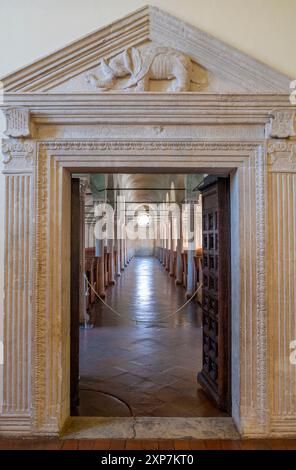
column 146, row 444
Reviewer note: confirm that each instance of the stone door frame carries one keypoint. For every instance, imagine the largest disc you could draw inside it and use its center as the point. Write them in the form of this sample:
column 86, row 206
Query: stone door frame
column 53, row 164
column 37, row 252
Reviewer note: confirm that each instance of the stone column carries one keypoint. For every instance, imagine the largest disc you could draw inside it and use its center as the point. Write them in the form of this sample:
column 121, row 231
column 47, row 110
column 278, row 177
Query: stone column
column 110, row 250
column 18, row 289
column 93, row 238
column 171, row 270
column 127, row 252
column 106, row 273
column 89, row 231
column 179, row 271
column 164, row 247
column 117, row 245
column 122, row 255
column 281, row 281
column 100, row 268
column 118, row 261
column 167, row 254
column 190, row 256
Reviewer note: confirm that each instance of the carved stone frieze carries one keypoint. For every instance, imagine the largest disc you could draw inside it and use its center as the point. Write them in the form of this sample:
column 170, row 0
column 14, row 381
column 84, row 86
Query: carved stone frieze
column 152, row 132
column 282, row 123
column 147, row 146
column 17, row 122
column 138, row 66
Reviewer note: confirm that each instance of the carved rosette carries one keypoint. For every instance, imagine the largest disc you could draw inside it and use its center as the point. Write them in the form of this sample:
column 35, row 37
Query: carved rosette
column 17, row 122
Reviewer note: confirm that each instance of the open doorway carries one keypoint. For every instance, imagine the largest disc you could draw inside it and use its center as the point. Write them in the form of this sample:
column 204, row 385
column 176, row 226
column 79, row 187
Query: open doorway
column 150, row 327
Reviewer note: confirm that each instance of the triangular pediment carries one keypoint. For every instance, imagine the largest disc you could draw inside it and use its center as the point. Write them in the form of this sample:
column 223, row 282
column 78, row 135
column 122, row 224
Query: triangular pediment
column 148, row 43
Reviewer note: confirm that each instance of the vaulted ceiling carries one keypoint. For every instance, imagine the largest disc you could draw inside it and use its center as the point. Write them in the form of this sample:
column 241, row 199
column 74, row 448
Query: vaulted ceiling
column 141, row 187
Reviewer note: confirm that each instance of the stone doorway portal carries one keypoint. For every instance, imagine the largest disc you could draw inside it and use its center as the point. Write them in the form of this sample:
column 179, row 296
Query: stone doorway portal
column 238, row 121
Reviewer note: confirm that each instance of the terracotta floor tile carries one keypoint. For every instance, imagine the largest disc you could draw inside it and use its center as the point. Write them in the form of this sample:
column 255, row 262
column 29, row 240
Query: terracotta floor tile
column 148, row 367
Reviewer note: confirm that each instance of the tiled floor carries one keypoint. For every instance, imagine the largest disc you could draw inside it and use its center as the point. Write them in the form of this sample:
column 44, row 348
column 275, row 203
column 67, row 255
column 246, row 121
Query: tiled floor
column 148, row 367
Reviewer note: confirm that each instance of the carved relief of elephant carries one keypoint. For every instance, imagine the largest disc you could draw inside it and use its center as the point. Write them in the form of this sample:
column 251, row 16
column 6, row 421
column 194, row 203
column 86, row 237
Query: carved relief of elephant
column 157, row 63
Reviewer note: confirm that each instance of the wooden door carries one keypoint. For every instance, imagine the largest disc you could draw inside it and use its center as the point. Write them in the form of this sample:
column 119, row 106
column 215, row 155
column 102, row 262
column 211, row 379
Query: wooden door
column 215, row 376
column 75, row 292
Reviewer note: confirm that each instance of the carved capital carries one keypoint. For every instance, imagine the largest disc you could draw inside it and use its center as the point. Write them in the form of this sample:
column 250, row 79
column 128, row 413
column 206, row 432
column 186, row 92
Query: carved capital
column 282, row 123
column 282, row 156
column 17, row 122
column 18, row 156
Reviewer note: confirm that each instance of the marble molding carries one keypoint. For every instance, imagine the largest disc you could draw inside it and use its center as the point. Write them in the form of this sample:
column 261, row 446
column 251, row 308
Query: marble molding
column 53, row 131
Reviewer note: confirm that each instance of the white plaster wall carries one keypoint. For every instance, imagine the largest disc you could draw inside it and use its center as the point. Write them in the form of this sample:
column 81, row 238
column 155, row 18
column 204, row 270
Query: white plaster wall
column 263, row 28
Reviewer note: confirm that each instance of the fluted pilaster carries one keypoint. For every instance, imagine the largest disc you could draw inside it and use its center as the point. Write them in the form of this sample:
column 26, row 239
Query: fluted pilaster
column 18, row 281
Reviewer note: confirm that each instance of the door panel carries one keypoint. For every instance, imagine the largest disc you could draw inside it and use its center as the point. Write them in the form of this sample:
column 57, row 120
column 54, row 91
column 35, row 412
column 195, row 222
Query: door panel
column 216, row 370
column 75, row 292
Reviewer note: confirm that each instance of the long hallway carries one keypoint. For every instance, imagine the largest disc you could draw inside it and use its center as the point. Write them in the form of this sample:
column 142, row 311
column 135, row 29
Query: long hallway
column 145, row 295
column 143, row 363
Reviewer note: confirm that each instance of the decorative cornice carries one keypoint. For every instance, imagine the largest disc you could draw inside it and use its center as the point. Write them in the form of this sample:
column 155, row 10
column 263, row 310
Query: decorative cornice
column 282, row 123
column 17, row 122
column 154, row 109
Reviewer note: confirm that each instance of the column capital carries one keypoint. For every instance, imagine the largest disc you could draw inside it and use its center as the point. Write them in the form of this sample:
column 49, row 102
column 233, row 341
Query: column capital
column 18, row 156
column 17, row 122
column 282, row 123
column 281, row 155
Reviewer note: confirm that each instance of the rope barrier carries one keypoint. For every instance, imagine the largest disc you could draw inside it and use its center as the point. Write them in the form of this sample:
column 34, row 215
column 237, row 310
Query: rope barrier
column 102, row 300
column 133, row 319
